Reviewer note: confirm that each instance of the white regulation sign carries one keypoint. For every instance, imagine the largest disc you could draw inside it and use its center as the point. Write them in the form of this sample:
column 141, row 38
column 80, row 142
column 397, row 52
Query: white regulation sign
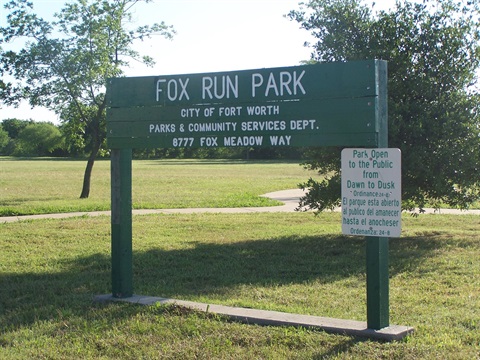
column 371, row 192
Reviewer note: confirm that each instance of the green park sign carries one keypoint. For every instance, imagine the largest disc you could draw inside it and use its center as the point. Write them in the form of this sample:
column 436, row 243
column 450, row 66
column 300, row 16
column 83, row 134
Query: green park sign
column 311, row 105
column 333, row 104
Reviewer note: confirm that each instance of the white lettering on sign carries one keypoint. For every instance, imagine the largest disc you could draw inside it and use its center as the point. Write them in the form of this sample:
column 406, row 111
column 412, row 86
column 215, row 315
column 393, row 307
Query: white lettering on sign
column 212, row 127
column 263, row 125
column 263, row 110
column 285, row 83
column 230, row 111
column 161, row 128
column 280, row 140
column 223, row 88
column 243, row 141
column 228, row 130
column 212, row 87
column 176, row 89
column 209, row 141
column 191, row 112
column 371, row 192
column 302, row 124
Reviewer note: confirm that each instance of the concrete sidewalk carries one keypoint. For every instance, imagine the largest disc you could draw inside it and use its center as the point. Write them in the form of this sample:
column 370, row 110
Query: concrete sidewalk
column 289, row 198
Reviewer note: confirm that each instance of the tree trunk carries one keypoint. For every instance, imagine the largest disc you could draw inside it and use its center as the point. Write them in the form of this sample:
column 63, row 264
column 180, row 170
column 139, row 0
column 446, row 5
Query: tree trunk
column 97, row 140
column 88, row 173
column 88, row 170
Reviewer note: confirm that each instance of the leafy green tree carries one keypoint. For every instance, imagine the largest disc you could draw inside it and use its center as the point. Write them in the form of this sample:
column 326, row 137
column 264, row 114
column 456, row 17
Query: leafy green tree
column 65, row 63
column 4, row 140
column 39, row 139
column 14, row 126
column 433, row 54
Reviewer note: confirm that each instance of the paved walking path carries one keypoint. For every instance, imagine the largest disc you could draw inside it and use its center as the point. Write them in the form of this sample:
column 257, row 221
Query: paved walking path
column 288, row 197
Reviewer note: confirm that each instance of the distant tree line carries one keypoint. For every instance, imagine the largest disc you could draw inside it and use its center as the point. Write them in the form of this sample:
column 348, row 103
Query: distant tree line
column 29, row 138
column 33, row 139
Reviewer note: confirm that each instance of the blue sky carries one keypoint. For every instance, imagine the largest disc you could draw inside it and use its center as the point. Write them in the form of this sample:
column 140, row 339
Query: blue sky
column 212, row 35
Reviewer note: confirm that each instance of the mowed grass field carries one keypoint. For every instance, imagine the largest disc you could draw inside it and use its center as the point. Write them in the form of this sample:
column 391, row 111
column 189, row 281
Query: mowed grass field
column 54, row 186
column 50, row 270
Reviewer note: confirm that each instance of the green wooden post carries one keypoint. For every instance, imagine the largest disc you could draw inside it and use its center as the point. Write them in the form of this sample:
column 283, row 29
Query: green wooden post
column 377, row 283
column 377, row 247
column 121, row 182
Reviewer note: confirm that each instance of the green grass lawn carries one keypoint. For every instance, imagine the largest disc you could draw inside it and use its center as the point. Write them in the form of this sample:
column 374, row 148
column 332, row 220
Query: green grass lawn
column 295, row 262
column 51, row 269
column 52, row 186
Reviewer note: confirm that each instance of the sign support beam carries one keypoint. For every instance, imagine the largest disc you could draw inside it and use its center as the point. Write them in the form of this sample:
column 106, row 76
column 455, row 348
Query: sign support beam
column 378, row 308
column 377, row 283
column 121, row 187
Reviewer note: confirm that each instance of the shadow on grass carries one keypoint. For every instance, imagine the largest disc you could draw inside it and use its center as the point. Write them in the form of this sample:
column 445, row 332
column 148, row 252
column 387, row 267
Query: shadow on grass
column 203, row 269
column 214, row 268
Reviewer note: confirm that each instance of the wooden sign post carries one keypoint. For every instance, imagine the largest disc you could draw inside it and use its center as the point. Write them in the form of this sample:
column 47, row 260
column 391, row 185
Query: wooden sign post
column 333, row 104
